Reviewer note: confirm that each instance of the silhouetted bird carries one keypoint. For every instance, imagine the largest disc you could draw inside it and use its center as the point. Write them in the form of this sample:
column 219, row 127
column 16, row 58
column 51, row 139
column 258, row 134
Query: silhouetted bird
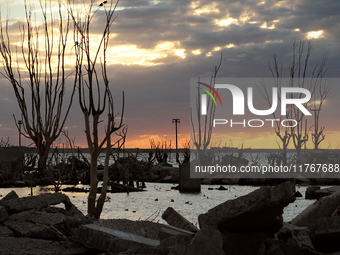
column 104, row 2
column 156, row 199
column 101, row 4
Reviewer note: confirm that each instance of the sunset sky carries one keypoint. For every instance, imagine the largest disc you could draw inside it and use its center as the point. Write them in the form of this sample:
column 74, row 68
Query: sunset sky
column 156, row 47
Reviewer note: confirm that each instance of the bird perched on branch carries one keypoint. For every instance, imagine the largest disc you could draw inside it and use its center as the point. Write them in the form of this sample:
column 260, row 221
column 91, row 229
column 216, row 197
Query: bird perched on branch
column 102, row 3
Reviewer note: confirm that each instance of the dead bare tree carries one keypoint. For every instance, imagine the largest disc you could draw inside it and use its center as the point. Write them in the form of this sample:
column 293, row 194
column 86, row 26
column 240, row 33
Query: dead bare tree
column 283, row 134
column 299, row 76
column 39, row 69
column 95, row 96
column 317, row 132
column 201, row 137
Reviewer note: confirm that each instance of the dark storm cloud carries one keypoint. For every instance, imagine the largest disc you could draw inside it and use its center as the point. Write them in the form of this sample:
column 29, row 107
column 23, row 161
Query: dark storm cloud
column 147, row 24
column 156, row 94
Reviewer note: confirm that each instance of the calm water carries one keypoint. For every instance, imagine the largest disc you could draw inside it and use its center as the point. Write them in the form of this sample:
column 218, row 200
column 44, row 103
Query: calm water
column 142, row 205
column 255, row 157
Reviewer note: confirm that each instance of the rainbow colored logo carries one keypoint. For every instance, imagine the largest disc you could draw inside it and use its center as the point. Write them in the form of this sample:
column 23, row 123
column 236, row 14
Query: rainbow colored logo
column 209, row 93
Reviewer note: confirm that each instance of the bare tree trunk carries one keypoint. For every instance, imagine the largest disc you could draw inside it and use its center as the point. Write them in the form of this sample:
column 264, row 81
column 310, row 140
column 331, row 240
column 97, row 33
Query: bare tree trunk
column 91, row 206
column 42, row 109
column 102, row 196
column 95, row 96
column 43, row 156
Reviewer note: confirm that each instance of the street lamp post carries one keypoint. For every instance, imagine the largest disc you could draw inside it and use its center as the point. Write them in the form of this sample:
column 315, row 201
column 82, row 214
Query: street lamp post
column 176, row 121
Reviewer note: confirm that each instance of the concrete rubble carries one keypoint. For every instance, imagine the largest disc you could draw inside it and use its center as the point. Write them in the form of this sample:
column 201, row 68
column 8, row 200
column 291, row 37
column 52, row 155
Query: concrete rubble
column 173, row 218
column 30, row 225
column 257, row 211
column 324, row 207
column 251, row 224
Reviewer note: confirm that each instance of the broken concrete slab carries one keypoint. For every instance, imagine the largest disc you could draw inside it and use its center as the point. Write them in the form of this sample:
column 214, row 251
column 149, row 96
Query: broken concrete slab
column 3, row 214
column 260, row 210
column 172, row 241
column 325, row 234
column 40, row 201
column 326, row 192
column 23, row 224
column 299, row 236
column 9, row 196
column 245, row 243
column 136, row 235
column 207, row 241
column 336, row 212
column 310, row 192
column 5, row 231
column 40, row 224
column 324, row 207
column 169, row 231
column 32, row 246
column 111, row 240
column 173, row 218
column 280, row 247
column 146, row 229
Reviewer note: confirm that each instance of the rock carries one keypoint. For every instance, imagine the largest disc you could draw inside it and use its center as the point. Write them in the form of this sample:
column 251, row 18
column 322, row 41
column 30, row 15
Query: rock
column 297, row 194
column 173, row 218
column 9, row 196
column 5, row 231
column 22, row 224
column 33, row 246
column 41, row 201
column 207, row 241
column 325, row 192
column 280, row 247
column 298, row 236
column 43, row 225
column 324, row 207
column 310, row 192
column 258, row 211
column 325, row 234
column 245, row 243
column 3, row 214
